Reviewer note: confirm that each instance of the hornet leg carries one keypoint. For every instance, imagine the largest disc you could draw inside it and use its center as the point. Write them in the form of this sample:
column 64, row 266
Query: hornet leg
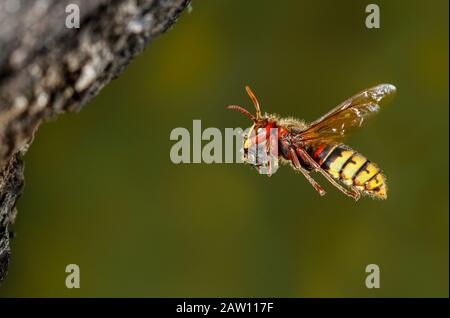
column 298, row 166
column 307, row 158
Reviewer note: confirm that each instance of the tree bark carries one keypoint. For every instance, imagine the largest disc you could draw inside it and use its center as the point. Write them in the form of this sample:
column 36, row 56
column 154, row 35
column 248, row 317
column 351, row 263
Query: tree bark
column 47, row 69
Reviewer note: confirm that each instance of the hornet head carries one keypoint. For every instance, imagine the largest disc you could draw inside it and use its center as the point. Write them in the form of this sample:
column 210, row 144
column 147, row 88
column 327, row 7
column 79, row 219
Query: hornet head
column 260, row 144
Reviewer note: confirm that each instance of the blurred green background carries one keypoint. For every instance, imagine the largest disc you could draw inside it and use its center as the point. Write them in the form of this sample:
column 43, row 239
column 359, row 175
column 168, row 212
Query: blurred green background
column 101, row 191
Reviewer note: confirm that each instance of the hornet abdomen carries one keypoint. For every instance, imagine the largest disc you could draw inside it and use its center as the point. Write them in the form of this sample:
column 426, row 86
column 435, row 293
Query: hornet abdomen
column 351, row 168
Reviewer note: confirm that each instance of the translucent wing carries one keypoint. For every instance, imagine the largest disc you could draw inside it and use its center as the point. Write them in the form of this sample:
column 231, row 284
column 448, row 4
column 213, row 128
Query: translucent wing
column 349, row 115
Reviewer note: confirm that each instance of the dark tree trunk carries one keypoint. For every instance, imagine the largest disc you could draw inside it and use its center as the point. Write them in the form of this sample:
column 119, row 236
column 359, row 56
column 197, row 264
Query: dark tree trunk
column 47, row 69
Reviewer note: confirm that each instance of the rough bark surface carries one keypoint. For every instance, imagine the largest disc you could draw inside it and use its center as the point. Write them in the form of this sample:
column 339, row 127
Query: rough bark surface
column 47, row 69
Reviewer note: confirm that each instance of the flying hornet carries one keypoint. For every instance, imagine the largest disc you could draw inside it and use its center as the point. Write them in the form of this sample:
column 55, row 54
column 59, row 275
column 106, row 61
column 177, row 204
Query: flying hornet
column 318, row 147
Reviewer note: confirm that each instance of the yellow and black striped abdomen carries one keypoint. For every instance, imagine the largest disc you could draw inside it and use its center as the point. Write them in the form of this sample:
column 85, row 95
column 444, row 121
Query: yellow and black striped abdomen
column 351, row 168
